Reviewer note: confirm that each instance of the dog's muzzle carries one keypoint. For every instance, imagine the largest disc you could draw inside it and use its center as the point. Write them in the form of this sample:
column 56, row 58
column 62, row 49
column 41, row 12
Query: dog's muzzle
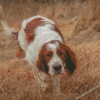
column 57, row 68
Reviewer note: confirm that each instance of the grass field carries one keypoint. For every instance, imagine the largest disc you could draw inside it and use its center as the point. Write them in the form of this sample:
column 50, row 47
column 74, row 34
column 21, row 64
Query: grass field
column 82, row 35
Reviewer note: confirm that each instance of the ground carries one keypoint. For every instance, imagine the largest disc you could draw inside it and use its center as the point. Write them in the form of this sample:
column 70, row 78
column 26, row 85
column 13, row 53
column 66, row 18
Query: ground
column 81, row 35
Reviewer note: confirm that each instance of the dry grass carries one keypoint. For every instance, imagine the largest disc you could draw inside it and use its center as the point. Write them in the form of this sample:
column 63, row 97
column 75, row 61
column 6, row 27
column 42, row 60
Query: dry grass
column 89, row 15
column 96, row 9
column 17, row 80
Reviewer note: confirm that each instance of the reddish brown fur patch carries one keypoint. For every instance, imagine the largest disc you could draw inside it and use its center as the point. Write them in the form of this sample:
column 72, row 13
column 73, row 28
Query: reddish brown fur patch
column 71, row 57
column 20, row 53
column 41, row 63
column 30, row 28
column 71, row 53
column 47, row 56
column 62, row 54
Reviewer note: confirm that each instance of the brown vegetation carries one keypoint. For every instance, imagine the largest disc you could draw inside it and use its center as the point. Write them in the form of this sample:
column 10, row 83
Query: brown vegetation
column 82, row 35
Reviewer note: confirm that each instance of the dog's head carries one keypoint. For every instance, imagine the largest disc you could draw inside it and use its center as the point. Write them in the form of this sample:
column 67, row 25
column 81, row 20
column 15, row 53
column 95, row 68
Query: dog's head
column 55, row 57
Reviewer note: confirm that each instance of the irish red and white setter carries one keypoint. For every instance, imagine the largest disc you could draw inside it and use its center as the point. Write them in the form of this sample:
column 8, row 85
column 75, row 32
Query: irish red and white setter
column 42, row 45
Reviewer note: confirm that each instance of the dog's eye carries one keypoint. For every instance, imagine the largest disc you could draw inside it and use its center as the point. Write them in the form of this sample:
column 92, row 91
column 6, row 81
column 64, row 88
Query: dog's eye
column 61, row 53
column 49, row 54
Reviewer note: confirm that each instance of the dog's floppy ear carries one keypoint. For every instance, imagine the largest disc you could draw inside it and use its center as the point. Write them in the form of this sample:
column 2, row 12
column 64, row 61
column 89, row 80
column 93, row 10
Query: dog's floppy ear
column 41, row 63
column 70, row 59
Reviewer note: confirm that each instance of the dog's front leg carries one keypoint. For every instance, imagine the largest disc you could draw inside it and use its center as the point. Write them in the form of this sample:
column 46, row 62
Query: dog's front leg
column 42, row 84
column 57, row 88
column 38, row 77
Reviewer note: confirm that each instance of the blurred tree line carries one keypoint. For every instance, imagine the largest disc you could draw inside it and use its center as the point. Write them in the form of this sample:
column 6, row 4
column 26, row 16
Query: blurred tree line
column 5, row 2
column 95, row 3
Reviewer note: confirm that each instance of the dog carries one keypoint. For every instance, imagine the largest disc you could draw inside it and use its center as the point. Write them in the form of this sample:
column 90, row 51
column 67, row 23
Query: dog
column 42, row 45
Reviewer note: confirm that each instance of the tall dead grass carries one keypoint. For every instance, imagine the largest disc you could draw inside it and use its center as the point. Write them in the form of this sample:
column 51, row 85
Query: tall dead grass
column 17, row 80
column 90, row 14
column 15, row 13
column 96, row 9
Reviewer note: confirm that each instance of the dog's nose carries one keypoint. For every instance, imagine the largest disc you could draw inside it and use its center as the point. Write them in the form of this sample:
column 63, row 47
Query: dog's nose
column 57, row 67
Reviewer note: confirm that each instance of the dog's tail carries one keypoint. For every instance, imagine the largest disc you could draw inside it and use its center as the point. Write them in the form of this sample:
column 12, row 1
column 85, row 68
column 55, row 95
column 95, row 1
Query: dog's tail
column 7, row 30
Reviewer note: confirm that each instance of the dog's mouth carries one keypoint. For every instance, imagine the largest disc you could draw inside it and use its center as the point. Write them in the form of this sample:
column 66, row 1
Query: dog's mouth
column 60, row 72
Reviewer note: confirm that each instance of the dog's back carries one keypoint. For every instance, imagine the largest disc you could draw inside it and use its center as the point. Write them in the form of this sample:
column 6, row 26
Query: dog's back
column 34, row 32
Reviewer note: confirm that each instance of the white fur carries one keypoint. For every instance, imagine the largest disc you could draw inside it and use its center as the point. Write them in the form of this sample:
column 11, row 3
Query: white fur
column 32, row 18
column 22, row 40
column 54, row 59
column 43, row 34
